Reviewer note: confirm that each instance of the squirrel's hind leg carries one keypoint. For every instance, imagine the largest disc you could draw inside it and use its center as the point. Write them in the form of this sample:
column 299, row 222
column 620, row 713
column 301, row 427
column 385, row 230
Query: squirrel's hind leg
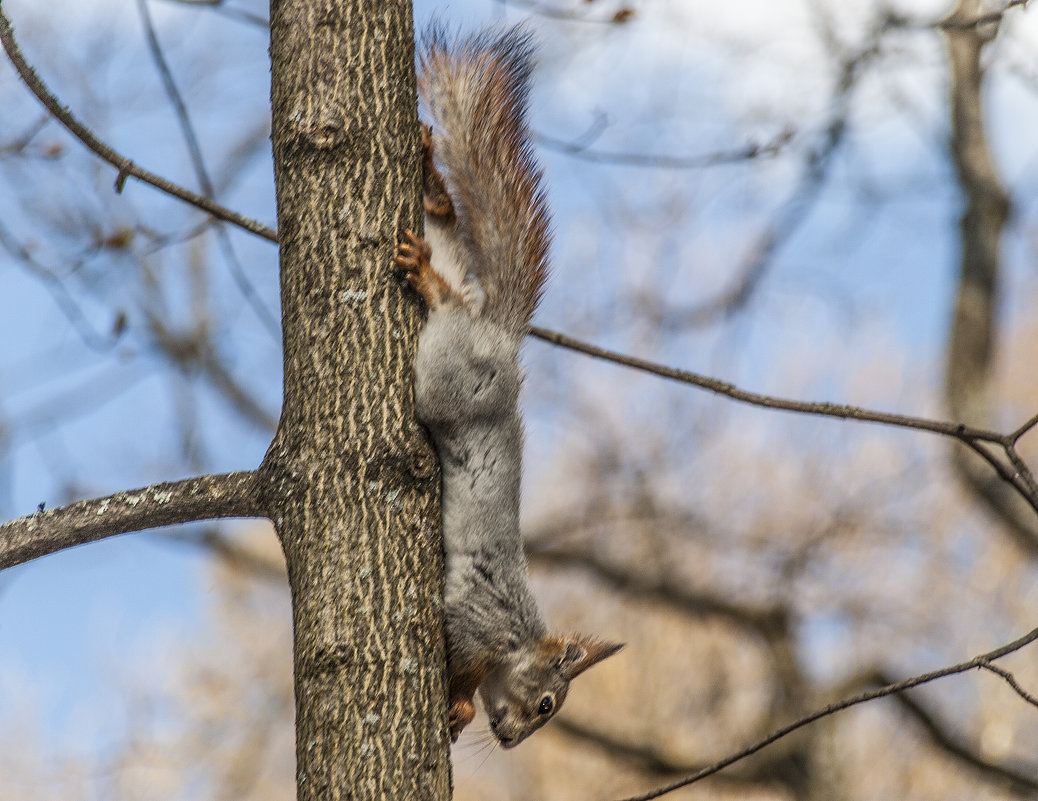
column 414, row 260
column 435, row 197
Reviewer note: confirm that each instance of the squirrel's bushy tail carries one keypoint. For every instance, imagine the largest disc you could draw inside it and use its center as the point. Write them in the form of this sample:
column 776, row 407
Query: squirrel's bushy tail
column 475, row 90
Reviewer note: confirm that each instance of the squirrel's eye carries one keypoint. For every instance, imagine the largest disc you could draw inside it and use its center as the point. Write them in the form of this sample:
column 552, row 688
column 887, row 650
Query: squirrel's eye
column 547, row 705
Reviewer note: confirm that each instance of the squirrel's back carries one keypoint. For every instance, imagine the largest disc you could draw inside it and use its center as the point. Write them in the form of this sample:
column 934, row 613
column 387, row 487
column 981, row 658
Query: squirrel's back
column 475, row 92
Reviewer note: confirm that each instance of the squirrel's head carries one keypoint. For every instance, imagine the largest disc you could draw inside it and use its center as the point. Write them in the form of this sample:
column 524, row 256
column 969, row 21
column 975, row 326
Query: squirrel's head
column 526, row 690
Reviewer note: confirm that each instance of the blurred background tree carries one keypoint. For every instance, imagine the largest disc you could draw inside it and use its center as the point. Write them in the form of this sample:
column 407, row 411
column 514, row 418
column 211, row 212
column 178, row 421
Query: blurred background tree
column 818, row 200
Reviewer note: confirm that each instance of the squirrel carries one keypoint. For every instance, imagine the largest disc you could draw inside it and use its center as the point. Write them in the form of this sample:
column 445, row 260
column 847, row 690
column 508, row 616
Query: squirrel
column 481, row 272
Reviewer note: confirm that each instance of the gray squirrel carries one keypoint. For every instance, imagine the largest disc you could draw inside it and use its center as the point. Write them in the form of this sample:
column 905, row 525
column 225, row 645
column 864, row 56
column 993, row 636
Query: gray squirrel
column 481, row 271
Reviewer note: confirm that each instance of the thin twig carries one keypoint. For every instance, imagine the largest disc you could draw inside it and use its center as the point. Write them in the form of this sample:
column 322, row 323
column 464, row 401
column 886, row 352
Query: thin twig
column 1022, row 781
column 220, row 7
column 956, row 430
column 969, row 435
column 1012, row 682
column 791, row 214
column 955, row 23
column 1023, row 472
column 1015, row 436
column 579, row 149
column 621, row 15
column 194, row 149
column 127, row 169
column 22, row 142
column 63, row 297
column 1019, row 478
column 890, row 689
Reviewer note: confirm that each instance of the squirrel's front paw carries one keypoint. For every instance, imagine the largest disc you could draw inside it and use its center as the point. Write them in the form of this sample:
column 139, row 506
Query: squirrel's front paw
column 414, row 260
column 460, row 715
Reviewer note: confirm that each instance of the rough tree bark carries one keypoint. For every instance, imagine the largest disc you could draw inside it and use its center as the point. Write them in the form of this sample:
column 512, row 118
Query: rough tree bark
column 349, row 480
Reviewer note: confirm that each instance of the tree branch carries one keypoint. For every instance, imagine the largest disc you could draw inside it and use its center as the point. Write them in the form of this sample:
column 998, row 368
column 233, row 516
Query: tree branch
column 232, row 12
column 890, row 689
column 193, row 351
column 651, row 760
column 789, row 216
column 1015, row 436
column 126, row 167
column 579, row 149
column 194, row 149
column 943, row 736
column 955, row 430
column 962, row 21
column 949, row 743
column 201, row 498
column 620, row 16
column 1010, row 679
column 1019, row 477
column 973, row 333
column 762, row 620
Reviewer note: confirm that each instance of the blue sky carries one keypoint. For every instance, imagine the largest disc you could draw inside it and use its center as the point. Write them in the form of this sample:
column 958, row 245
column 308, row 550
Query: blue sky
column 665, row 83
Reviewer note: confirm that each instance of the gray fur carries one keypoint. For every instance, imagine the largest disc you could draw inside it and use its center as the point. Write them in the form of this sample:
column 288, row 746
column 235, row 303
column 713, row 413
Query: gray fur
column 467, row 391
column 490, row 249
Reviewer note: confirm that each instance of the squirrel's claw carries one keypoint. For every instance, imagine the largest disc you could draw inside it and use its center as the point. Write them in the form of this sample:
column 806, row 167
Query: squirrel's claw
column 460, row 715
column 414, row 259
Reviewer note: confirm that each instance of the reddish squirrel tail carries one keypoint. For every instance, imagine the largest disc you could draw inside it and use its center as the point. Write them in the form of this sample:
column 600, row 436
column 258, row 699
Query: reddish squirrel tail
column 475, row 91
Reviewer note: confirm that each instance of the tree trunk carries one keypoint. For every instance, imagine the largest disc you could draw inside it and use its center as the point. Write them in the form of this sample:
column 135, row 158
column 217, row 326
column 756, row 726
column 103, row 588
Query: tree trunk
column 351, row 481
column 971, row 341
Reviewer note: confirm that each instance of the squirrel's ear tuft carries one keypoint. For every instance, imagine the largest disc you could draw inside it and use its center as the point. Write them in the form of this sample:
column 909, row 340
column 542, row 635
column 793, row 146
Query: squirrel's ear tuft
column 583, row 652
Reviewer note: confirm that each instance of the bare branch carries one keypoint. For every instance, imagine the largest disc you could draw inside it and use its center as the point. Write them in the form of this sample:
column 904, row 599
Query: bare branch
column 579, row 148
column 232, row 12
column 1015, row 436
column 1018, row 476
column 621, row 15
column 949, row 743
column 960, row 21
column 972, row 337
column 1023, row 472
column 890, row 689
column 193, row 351
column 201, row 498
column 787, row 219
column 1012, row 682
column 194, row 149
column 126, row 167
column 969, row 435
column 955, row 430
column 653, row 588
